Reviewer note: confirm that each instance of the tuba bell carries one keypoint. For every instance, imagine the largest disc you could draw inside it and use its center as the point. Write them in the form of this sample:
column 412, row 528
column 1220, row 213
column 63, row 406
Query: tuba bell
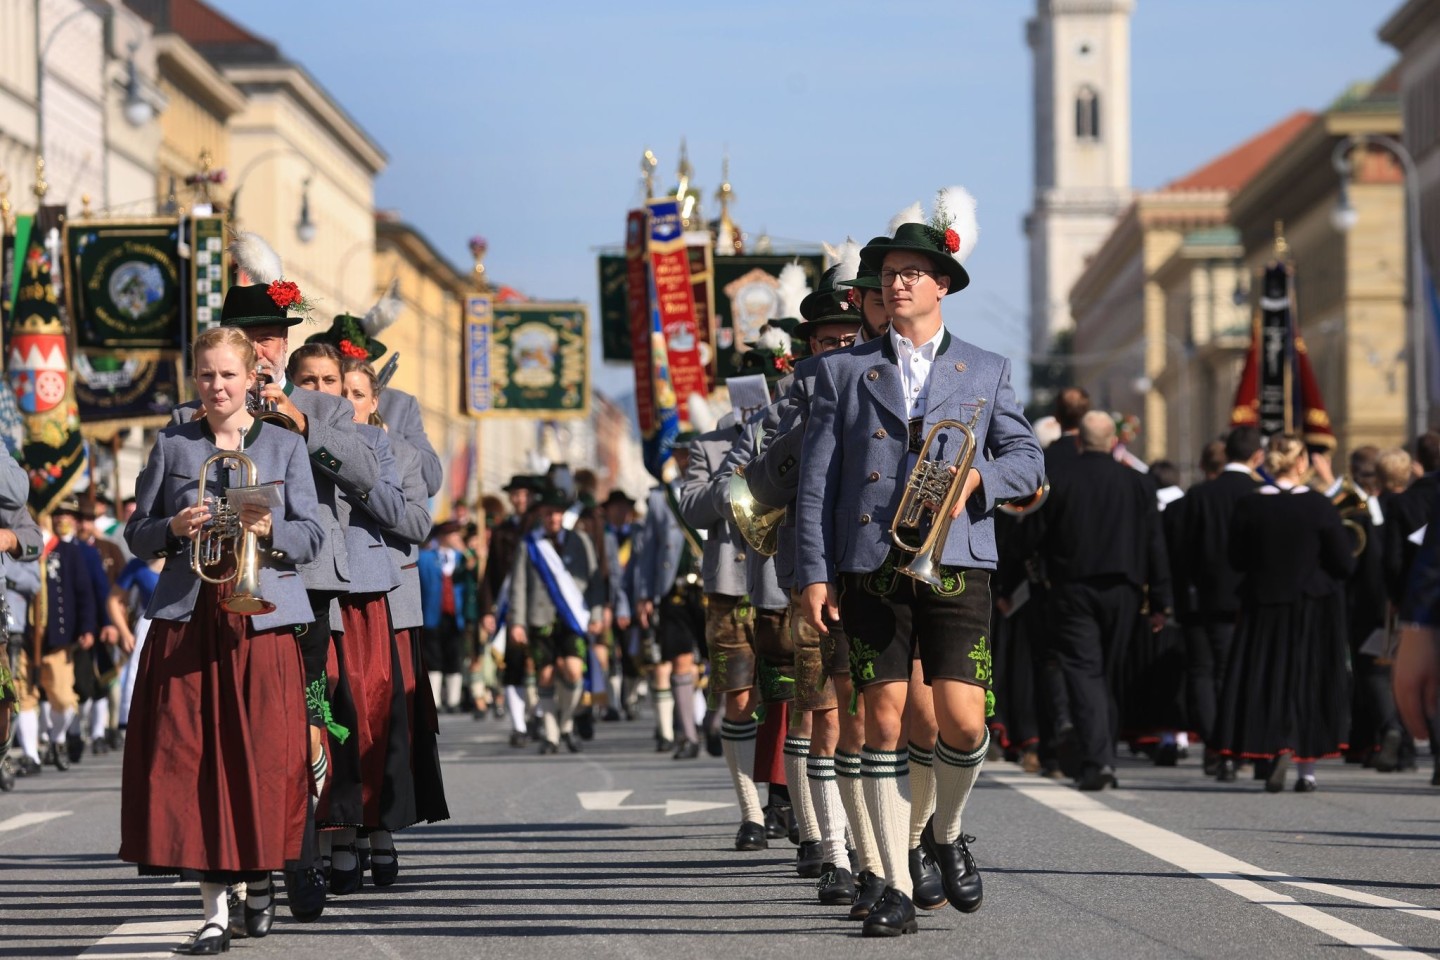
column 223, row 537
column 1353, row 504
column 934, row 486
column 757, row 523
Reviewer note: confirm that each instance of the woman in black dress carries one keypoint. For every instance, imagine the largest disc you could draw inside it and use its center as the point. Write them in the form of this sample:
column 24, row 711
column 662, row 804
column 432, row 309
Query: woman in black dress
column 1287, row 688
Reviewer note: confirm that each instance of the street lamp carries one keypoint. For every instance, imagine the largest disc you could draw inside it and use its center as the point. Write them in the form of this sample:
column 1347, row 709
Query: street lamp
column 305, row 229
column 138, row 108
column 1345, row 216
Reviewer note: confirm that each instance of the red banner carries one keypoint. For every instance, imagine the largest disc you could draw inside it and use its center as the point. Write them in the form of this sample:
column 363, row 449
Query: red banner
column 675, row 297
column 637, row 285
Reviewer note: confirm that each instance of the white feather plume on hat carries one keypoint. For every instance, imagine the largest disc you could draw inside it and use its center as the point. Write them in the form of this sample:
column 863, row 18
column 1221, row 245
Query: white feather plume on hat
column 847, row 258
column 792, row 289
column 702, row 417
column 256, row 258
column 955, row 208
column 385, row 312
column 774, row 340
column 911, row 214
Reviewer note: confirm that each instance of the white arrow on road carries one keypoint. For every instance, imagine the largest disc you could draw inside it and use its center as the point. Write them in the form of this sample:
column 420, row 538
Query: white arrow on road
column 30, row 819
column 612, row 800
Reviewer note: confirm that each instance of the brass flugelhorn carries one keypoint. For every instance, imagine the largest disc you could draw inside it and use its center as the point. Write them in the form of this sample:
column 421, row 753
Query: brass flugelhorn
column 1353, row 503
column 1023, row 508
column 224, row 536
column 267, row 410
column 934, row 486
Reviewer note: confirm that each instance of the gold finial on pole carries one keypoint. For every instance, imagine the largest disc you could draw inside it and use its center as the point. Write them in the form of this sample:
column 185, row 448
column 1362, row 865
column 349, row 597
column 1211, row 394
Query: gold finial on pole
column 728, row 238
column 40, row 185
column 1282, row 248
column 648, row 163
column 85, row 211
column 688, row 196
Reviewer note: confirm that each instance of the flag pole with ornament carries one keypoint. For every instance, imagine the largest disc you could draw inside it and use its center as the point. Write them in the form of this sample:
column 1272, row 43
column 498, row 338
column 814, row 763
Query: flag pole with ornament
column 38, row 369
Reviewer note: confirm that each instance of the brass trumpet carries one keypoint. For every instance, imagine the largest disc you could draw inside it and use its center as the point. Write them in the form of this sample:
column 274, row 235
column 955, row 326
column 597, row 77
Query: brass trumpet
column 934, row 487
column 267, row 410
column 1353, row 503
column 1021, row 508
column 224, row 536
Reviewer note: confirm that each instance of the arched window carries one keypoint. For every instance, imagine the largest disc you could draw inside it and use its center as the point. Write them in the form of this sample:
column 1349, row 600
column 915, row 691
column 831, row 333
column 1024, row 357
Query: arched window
column 1087, row 114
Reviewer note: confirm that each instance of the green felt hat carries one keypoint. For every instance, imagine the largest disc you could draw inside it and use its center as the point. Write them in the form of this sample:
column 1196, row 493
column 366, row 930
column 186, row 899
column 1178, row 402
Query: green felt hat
column 254, row 305
column 555, row 497
column 830, row 303
column 937, row 245
column 772, row 353
column 347, row 334
column 868, row 278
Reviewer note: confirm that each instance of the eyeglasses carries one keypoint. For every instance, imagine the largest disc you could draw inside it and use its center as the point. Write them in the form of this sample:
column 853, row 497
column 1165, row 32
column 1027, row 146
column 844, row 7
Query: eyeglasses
column 835, row 343
column 909, row 276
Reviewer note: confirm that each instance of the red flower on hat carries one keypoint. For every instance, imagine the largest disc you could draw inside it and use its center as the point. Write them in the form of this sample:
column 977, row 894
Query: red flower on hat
column 853, row 295
column 284, row 293
column 952, row 241
column 350, row 350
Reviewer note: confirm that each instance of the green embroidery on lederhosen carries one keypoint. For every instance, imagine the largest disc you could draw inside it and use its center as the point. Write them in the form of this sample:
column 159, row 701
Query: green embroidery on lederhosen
column 952, row 582
column 980, row 653
column 862, row 660
column 318, row 704
column 8, row 693
column 881, row 582
column 989, row 704
column 744, row 611
column 772, row 682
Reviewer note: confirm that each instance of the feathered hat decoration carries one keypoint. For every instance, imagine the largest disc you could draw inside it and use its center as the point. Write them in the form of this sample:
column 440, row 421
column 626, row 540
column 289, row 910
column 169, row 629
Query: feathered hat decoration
column 258, row 261
column 791, row 290
column 702, row 417
column 385, row 311
column 911, row 214
column 954, row 218
column 847, row 258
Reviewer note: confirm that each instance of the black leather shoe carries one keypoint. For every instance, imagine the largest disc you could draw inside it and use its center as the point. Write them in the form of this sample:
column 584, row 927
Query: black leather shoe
column 305, row 893
column 868, row 891
column 958, row 871
column 7, row 775
column 664, row 746
column 1305, row 785
column 1275, row 781
column 237, row 914
column 25, row 767
column 384, row 867
column 99, row 747
column 585, row 724
column 1067, row 751
column 688, row 750
column 751, row 837
column 777, row 820
column 364, row 853
column 203, row 946
column 1388, row 759
column 115, row 738
column 258, row 922
column 1210, row 763
column 343, row 882
column 1096, row 779
column 546, row 747
column 1167, row 755
column 518, row 739
column 893, row 916
column 1225, row 771
column 925, row 881
column 57, row 757
column 75, row 746
column 570, row 742
column 809, row 859
column 836, row 885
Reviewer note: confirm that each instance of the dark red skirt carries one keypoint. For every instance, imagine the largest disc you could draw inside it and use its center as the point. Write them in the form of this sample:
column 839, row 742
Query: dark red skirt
column 216, row 770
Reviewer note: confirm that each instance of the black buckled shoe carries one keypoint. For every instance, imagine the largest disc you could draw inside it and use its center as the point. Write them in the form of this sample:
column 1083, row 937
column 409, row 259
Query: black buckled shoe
column 75, row 746
column 384, row 866
column 777, row 820
column 518, row 739
column 688, row 750
column 925, row 880
column 958, row 870
column 868, row 891
column 836, row 885
column 571, row 744
column 58, row 758
column 1305, row 785
column 751, row 836
column 305, row 893
column 25, row 767
column 809, row 859
column 664, row 746
column 343, row 882
column 1096, row 779
column 203, row 946
column 893, row 916
column 259, row 922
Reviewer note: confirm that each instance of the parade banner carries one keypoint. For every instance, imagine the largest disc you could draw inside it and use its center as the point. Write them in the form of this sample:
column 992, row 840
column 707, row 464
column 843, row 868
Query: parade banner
column 747, row 295
column 122, row 283
column 702, row 286
column 1278, row 392
column 674, row 300
column 614, row 299
column 209, row 272
column 38, row 370
column 140, row 387
column 539, row 360
column 637, row 285
column 478, row 316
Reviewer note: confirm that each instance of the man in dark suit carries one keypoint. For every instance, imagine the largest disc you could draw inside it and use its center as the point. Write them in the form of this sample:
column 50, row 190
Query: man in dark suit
column 1070, row 408
column 1208, row 585
column 1104, row 549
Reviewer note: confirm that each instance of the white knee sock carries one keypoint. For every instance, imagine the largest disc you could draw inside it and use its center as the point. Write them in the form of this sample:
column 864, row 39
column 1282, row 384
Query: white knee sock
column 515, row 707
column 682, row 688
column 955, row 775
column 452, row 689
column 738, row 741
column 569, row 696
column 922, row 791
column 665, row 713
column 320, row 772
column 615, row 684
column 546, row 708
column 881, row 772
column 797, row 755
column 216, row 906
column 47, row 720
column 27, row 732
column 701, row 708
column 99, row 719
column 60, row 721
column 825, row 797
column 857, row 815
column 80, row 720
column 436, row 680
column 532, row 694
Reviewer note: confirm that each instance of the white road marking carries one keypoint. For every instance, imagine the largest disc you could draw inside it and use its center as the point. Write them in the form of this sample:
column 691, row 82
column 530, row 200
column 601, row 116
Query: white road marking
column 22, row 820
column 612, row 800
column 143, row 939
column 1219, row 868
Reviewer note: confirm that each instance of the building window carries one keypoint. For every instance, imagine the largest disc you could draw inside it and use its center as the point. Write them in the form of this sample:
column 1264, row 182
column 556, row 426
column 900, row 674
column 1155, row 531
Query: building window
column 1087, row 114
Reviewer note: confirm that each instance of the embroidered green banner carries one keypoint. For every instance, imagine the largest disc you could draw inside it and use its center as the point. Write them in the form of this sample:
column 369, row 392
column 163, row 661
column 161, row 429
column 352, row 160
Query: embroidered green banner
column 122, row 281
column 539, row 360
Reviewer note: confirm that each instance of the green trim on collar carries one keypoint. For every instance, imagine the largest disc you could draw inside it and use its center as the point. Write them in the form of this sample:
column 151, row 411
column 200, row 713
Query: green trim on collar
column 250, row 435
column 289, row 387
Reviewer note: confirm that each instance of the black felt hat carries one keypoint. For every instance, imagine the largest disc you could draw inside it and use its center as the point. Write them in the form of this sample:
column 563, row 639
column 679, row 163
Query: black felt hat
column 937, row 245
column 830, row 303
column 868, row 278
column 555, row 498
column 252, row 305
column 347, row 334
column 618, row 496
column 524, row 481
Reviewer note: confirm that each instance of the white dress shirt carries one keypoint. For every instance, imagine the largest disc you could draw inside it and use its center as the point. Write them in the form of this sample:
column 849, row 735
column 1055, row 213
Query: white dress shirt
column 915, row 363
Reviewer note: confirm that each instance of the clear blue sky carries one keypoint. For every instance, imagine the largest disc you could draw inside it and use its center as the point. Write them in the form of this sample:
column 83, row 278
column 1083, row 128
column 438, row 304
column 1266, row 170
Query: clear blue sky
column 525, row 122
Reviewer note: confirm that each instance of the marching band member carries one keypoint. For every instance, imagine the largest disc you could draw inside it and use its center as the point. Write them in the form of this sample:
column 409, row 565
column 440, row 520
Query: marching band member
column 217, row 720
column 21, row 542
column 869, row 403
column 505, row 539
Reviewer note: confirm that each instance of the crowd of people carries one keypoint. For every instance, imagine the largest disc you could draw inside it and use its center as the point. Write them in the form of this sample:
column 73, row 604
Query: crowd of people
column 856, row 595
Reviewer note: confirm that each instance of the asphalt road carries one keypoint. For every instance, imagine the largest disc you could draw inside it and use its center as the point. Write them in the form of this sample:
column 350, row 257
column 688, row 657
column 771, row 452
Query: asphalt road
column 1171, row 865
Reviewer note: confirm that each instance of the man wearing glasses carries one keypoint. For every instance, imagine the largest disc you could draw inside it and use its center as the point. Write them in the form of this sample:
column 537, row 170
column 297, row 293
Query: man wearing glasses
column 872, row 408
